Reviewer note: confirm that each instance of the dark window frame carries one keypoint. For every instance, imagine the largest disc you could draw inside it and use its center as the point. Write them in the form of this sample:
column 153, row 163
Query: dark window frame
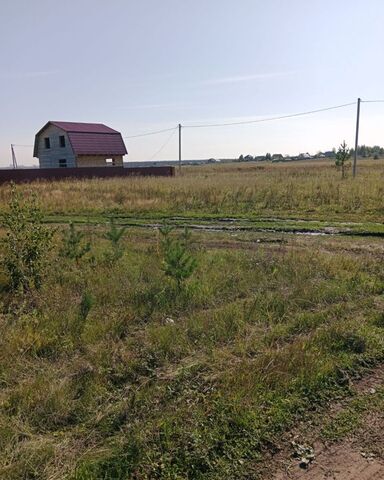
column 62, row 141
column 63, row 163
column 47, row 142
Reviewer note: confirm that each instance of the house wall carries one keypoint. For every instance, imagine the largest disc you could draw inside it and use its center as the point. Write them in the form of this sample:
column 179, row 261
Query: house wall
column 49, row 157
column 98, row 160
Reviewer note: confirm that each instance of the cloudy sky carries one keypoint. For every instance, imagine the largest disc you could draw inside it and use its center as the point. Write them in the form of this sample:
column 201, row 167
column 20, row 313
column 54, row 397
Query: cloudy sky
column 143, row 65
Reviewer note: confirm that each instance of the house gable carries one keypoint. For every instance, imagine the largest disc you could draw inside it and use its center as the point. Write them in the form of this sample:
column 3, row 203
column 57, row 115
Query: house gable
column 57, row 151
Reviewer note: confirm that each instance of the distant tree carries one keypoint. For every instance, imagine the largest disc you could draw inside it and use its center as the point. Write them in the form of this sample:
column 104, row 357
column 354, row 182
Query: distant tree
column 342, row 156
column 241, row 158
column 268, row 156
column 376, row 150
column 363, row 151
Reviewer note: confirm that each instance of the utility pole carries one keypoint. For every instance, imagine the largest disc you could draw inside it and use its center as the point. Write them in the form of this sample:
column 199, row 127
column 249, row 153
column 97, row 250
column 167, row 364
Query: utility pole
column 14, row 162
column 179, row 146
column 356, row 138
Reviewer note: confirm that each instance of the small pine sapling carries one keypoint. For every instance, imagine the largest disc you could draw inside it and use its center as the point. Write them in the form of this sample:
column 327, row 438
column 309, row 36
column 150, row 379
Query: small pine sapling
column 342, row 156
column 74, row 246
column 178, row 263
column 114, row 235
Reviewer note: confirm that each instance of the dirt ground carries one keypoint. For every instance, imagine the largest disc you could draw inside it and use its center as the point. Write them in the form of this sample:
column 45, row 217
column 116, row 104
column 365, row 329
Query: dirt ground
column 359, row 456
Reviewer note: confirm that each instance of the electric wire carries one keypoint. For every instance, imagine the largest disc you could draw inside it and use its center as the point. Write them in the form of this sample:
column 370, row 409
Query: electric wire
column 164, row 144
column 281, row 117
column 224, row 124
column 155, row 132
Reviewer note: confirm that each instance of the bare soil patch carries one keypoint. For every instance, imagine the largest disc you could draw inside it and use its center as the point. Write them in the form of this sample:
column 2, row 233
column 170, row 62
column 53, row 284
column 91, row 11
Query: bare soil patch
column 358, row 456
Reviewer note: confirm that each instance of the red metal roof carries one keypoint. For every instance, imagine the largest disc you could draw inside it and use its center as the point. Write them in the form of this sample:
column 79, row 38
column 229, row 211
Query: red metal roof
column 84, row 127
column 90, row 138
column 97, row 143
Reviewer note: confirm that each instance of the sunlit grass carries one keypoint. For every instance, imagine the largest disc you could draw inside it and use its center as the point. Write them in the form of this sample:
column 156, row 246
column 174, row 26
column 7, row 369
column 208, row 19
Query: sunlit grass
column 159, row 383
column 303, row 189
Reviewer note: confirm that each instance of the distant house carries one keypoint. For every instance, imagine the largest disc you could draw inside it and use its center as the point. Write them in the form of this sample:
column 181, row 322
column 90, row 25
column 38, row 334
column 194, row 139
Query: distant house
column 70, row 144
column 304, row 156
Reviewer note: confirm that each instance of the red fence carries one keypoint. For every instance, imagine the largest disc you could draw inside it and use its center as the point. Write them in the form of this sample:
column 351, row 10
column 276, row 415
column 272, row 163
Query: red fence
column 32, row 174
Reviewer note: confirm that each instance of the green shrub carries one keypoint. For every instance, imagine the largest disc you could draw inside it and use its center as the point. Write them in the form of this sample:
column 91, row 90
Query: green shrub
column 178, row 264
column 114, row 235
column 26, row 244
column 74, row 246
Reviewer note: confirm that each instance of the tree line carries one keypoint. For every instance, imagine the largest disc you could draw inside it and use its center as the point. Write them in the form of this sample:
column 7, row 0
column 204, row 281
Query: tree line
column 363, row 151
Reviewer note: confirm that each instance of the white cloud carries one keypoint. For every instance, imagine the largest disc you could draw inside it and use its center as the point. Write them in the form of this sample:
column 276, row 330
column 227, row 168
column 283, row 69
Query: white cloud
column 246, row 78
column 16, row 75
column 151, row 106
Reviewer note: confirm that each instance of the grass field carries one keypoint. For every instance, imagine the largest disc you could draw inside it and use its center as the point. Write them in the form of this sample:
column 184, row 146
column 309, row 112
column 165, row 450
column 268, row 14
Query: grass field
column 109, row 371
column 295, row 190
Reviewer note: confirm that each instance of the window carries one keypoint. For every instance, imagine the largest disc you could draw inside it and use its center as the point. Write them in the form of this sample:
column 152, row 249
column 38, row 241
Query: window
column 110, row 161
column 62, row 141
column 63, row 162
column 47, row 142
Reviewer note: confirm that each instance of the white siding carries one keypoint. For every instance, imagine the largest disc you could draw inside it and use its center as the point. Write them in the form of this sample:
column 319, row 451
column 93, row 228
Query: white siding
column 49, row 157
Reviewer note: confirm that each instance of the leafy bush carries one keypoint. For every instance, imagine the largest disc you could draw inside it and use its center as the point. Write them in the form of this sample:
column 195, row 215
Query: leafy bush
column 26, row 244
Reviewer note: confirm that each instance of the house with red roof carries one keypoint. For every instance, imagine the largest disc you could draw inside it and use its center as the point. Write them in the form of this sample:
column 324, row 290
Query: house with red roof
column 73, row 144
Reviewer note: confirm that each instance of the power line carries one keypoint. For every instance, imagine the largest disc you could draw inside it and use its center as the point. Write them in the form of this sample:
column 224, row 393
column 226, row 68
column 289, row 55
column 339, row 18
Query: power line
column 372, row 101
column 260, row 120
column 155, row 132
column 164, row 144
column 21, row 145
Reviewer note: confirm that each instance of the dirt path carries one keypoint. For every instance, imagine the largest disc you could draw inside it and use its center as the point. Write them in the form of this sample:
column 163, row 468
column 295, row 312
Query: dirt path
column 341, row 462
column 359, row 455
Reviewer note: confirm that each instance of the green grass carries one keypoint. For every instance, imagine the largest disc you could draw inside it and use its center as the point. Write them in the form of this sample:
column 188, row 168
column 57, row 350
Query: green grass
column 299, row 190
column 96, row 381
column 350, row 419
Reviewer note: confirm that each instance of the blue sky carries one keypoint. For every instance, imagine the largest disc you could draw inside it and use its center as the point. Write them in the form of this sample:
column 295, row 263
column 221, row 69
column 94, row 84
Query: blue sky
column 146, row 65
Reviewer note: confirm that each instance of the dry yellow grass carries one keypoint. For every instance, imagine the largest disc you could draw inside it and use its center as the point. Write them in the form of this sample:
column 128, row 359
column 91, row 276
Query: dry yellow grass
column 304, row 189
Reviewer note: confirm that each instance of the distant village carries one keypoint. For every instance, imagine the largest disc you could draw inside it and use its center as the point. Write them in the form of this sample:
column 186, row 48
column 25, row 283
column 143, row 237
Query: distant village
column 364, row 151
column 278, row 157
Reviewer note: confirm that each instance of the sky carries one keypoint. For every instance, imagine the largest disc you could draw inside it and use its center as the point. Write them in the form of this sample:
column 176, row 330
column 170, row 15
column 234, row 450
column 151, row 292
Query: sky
column 141, row 66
